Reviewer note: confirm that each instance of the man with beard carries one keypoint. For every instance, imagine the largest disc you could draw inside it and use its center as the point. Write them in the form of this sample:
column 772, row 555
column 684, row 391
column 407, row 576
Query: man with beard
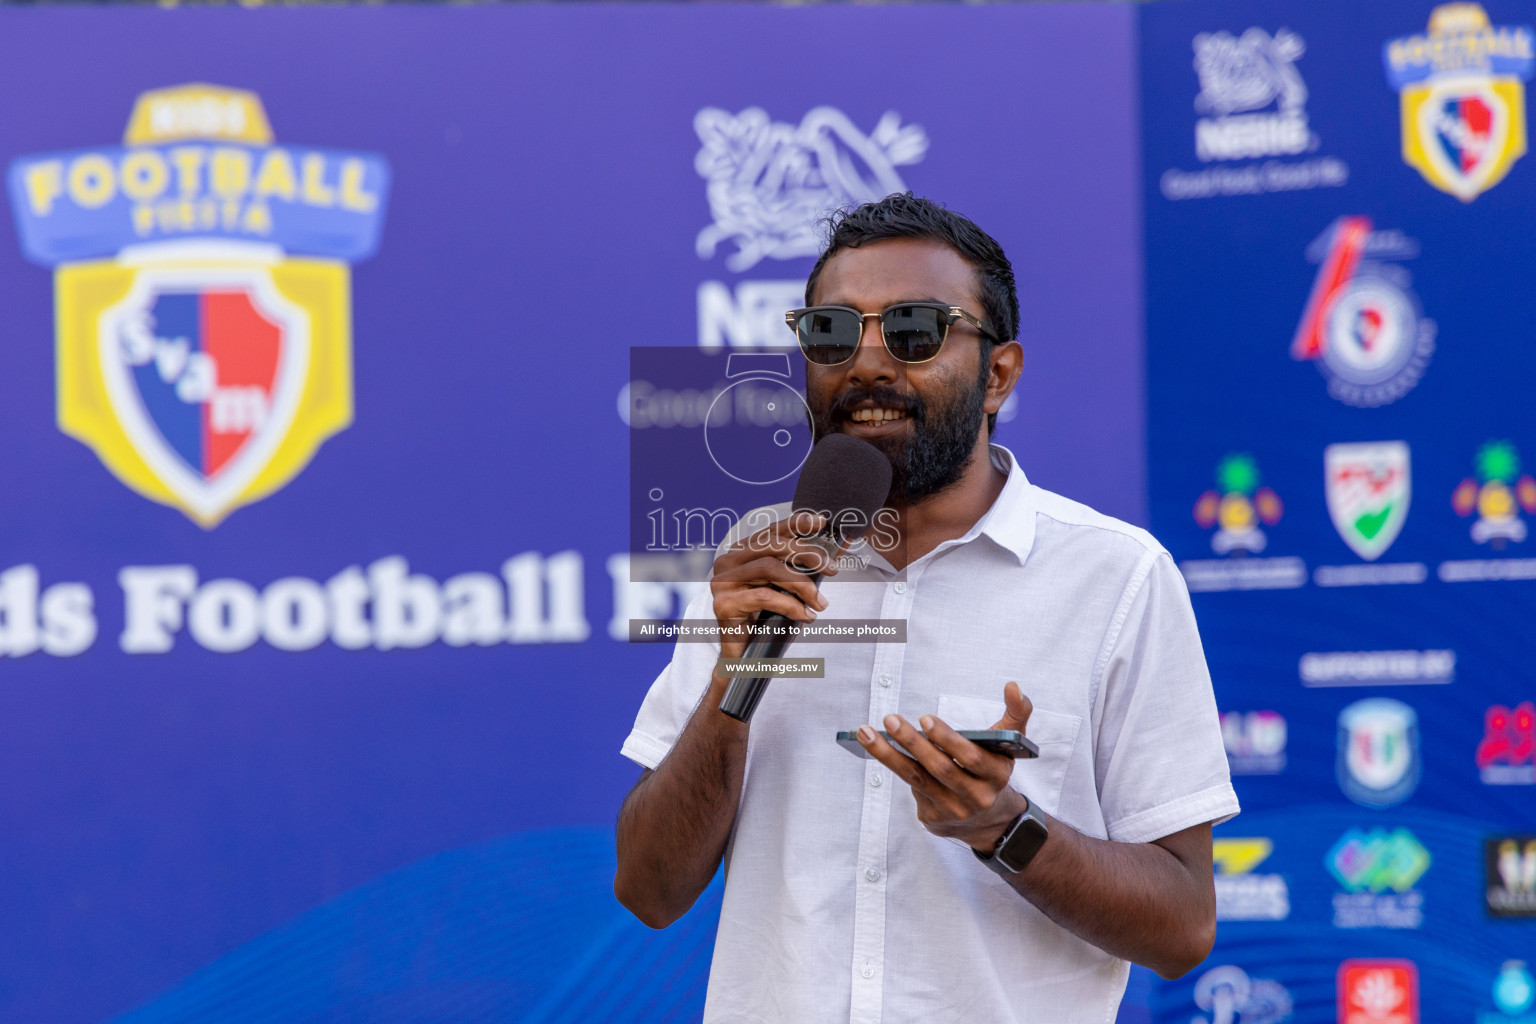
column 937, row 881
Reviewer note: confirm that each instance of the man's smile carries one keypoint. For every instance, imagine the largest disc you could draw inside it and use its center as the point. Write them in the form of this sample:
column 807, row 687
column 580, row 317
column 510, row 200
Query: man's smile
column 877, row 415
column 870, row 414
column 872, row 421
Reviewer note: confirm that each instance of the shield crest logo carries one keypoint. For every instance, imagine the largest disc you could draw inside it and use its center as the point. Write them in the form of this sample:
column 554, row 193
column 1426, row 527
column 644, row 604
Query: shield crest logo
column 204, row 368
column 1368, row 489
column 1378, row 763
column 1460, row 133
column 207, row 383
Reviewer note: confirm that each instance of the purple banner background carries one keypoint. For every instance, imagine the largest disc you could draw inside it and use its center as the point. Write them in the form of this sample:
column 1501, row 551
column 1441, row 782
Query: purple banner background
column 162, row 811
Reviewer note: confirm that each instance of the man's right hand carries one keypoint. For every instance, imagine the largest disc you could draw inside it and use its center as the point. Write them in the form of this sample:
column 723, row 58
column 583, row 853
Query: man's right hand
column 753, row 576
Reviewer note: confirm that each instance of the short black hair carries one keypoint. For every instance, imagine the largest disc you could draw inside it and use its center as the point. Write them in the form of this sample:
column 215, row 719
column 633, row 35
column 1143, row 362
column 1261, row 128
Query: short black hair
column 903, row 215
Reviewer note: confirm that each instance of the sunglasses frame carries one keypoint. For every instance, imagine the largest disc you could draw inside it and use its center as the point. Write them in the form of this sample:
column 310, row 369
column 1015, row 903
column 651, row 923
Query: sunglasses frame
column 948, row 316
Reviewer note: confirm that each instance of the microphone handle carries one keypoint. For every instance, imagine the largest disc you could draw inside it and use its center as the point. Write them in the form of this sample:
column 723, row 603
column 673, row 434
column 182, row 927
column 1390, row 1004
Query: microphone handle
column 743, row 693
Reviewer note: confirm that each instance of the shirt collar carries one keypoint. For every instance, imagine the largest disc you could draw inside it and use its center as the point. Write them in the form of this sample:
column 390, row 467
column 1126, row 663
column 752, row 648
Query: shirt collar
column 1010, row 522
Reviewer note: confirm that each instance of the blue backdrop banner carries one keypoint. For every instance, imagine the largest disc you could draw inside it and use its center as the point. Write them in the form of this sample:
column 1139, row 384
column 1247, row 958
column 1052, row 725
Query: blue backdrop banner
column 1339, row 249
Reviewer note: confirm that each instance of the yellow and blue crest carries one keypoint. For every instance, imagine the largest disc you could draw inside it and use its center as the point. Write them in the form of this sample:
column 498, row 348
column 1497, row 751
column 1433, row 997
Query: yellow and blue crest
column 202, row 294
column 1462, row 89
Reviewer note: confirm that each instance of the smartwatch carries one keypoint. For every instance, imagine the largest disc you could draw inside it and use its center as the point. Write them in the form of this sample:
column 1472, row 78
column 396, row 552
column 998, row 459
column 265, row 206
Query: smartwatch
column 1017, row 846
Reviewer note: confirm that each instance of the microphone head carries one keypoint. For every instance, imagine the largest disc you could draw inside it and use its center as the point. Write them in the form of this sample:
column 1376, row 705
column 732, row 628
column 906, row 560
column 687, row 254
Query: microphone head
column 845, row 479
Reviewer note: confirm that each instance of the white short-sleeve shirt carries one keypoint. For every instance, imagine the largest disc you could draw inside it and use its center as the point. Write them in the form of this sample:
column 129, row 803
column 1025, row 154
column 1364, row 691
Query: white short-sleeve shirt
column 839, row 905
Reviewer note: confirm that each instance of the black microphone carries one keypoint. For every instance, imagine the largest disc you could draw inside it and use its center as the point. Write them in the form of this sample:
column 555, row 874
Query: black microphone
column 846, row 480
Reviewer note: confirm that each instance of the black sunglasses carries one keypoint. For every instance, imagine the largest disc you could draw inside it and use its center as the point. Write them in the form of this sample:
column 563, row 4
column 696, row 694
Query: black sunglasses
column 913, row 331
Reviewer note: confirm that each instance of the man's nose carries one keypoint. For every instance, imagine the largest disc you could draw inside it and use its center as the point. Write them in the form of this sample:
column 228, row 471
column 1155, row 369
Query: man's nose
column 872, row 363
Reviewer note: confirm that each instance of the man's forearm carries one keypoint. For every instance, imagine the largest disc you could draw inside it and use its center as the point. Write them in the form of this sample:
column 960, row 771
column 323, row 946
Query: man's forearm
column 1138, row 901
column 674, row 824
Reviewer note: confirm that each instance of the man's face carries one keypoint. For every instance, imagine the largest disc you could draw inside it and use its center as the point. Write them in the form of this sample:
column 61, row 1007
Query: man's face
column 926, row 417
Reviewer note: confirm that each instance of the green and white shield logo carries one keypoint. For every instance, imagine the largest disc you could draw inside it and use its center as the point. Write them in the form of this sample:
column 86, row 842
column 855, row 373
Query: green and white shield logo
column 1368, row 491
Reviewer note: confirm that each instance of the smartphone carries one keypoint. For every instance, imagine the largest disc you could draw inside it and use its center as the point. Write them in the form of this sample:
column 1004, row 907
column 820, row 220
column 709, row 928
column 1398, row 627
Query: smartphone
column 999, row 741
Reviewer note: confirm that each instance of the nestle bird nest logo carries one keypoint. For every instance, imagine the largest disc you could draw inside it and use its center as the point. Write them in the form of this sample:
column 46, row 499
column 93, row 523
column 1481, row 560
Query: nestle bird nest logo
column 202, row 289
column 770, row 182
column 1241, row 78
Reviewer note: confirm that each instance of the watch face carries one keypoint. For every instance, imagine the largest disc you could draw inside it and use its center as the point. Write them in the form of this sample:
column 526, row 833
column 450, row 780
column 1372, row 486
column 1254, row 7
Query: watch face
column 1021, row 844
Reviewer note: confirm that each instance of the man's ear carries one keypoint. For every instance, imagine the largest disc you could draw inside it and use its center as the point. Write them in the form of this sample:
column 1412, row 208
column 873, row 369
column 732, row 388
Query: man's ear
column 1007, row 367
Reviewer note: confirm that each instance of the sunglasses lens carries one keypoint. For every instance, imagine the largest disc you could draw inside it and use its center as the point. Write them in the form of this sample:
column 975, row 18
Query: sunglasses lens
column 914, row 333
column 828, row 336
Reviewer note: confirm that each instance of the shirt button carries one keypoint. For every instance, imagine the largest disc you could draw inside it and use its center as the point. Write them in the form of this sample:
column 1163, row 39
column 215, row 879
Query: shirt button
column 867, row 971
column 901, row 588
column 885, row 680
column 876, row 780
column 873, row 874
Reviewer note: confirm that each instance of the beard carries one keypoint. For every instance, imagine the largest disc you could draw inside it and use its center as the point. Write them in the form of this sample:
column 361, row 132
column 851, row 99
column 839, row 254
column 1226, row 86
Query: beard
column 935, row 452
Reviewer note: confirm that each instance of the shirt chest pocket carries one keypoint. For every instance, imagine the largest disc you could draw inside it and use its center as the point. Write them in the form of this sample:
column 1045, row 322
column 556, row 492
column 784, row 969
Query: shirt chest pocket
column 1039, row 778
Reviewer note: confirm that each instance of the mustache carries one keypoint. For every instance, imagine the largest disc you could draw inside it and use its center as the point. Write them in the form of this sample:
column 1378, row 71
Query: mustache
column 890, row 398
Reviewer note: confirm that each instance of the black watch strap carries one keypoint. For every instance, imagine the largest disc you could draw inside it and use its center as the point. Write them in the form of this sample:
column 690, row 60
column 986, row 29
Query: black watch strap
column 1019, row 843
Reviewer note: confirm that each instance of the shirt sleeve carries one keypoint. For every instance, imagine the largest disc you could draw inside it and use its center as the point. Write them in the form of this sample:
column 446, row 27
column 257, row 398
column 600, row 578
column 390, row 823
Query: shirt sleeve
column 675, row 693
column 1159, row 758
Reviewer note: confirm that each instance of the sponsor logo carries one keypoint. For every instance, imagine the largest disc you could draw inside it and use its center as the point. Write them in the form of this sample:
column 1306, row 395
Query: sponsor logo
column 751, row 317
column 1367, row 487
column 1255, row 742
column 203, row 295
column 1252, row 105
column 1237, row 506
column 1230, row 996
column 1378, row 760
column 1377, row 870
column 1462, row 98
column 1506, row 756
column 1510, row 867
column 1496, row 496
column 1514, row 993
column 1378, row 992
column 1362, row 325
column 1242, row 895
column 769, row 183
column 1376, row 668
column 1252, row 94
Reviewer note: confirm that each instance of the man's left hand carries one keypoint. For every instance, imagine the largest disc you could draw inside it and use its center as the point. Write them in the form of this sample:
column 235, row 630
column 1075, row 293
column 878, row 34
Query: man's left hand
column 962, row 790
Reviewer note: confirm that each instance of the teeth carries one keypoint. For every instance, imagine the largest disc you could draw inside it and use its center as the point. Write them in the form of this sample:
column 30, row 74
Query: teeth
column 876, row 415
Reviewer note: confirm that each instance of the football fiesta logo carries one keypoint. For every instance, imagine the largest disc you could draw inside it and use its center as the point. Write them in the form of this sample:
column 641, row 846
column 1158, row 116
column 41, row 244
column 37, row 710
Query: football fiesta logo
column 1462, row 89
column 202, row 294
column 1361, row 324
